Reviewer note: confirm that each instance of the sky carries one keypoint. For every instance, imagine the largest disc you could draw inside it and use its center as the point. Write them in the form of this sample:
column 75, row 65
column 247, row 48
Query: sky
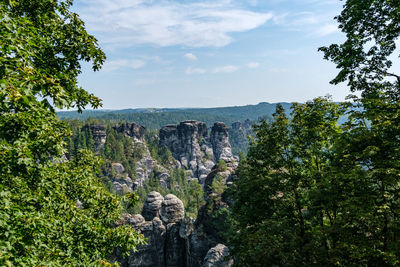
column 188, row 53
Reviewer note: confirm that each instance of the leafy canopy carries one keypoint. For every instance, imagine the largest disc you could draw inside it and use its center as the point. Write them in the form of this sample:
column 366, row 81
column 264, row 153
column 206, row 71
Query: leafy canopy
column 41, row 46
column 314, row 193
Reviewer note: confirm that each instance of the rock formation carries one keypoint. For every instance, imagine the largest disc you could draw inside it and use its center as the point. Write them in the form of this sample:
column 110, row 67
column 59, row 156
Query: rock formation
column 172, row 239
column 133, row 130
column 152, row 206
column 194, row 149
column 122, row 183
column 220, row 142
column 216, row 257
column 99, row 135
column 172, row 209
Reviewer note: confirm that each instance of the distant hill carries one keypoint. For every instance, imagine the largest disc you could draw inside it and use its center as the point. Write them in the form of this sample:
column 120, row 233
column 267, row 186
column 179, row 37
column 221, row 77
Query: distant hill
column 153, row 118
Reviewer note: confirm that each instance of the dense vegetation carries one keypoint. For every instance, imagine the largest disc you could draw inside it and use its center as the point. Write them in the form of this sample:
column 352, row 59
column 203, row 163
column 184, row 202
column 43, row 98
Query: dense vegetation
column 156, row 118
column 42, row 43
column 316, row 193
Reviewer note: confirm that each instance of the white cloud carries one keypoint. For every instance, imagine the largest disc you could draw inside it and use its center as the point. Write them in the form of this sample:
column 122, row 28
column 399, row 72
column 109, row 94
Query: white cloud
column 226, row 69
column 253, row 65
column 191, row 70
column 112, row 65
column 167, row 23
column 327, row 30
column 190, row 56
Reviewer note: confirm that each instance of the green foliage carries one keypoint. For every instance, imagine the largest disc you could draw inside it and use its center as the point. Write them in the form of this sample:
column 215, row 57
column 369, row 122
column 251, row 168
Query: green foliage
column 372, row 28
column 41, row 46
column 370, row 147
column 221, row 165
column 191, row 193
column 282, row 211
column 194, row 199
column 218, row 186
column 221, row 223
column 312, row 193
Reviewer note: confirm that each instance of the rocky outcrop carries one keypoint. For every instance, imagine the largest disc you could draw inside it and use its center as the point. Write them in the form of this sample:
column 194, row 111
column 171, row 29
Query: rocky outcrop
column 194, row 149
column 121, row 182
column 152, row 206
column 144, row 167
column 99, row 135
column 151, row 254
column 172, row 209
column 118, row 168
column 218, row 257
column 219, row 139
column 172, row 239
column 133, row 130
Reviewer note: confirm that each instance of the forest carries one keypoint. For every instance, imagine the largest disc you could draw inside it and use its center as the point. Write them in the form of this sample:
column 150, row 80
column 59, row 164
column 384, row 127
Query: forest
column 318, row 184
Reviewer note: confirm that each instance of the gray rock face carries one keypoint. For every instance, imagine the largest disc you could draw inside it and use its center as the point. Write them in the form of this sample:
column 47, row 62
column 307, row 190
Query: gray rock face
column 118, row 168
column 194, row 149
column 145, row 166
column 175, row 254
column 172, row 209
column 151, row 254
column 183, row 139
column 152, row 206
column 172, row 241
column 218, row 257
column 99, row 135
column 119, row 179
column 136, row 221
column 133, row 130
column 122, row 186
column 220, row 142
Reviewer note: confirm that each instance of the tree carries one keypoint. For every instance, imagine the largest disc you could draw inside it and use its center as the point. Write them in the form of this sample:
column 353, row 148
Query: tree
column 370, row 145
column 195, row 198
column 221, row 165
column 282, row 212
column 42, row 43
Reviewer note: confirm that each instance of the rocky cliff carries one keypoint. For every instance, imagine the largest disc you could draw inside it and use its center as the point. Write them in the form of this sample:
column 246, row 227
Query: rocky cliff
column 196, row 150
column 99, row 135
column 173, row 240
column 134, row 130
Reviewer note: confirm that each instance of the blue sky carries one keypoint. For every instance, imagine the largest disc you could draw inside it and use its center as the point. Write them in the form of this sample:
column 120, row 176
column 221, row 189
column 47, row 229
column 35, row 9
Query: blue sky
column 210, row 53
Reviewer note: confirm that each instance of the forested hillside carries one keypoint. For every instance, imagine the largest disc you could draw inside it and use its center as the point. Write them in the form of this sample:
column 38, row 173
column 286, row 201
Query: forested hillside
column 156, row 118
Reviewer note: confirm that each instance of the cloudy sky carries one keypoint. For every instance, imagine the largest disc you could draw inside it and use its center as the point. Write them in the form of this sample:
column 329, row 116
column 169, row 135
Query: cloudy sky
column 187, row 53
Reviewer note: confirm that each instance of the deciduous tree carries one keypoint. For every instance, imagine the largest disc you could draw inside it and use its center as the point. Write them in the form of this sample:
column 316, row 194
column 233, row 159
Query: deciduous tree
column 41, row 46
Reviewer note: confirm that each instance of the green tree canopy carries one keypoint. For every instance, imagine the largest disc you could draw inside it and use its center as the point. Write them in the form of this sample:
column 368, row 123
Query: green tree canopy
column 312, row 193
column 52, row 211
column 370, row 146
column 282, row 212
